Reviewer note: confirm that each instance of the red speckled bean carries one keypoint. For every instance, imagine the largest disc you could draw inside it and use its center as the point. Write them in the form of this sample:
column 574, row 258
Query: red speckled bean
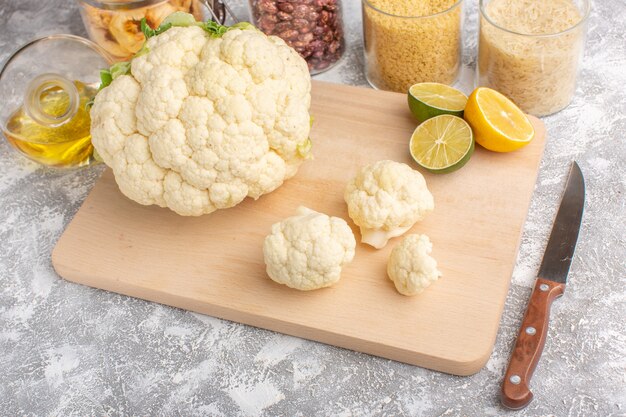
column 312, row 27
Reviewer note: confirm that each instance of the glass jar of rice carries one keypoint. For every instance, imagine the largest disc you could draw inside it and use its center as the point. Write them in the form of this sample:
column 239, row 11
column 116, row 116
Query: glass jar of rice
column 530, row 50
column 408, row 42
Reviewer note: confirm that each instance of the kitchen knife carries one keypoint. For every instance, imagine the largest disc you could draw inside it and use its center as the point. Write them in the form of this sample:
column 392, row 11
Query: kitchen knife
column 550, row 285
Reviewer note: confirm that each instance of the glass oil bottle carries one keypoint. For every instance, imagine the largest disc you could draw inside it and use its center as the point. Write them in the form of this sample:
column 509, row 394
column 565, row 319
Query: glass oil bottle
column 46, row 87
column 52, row 126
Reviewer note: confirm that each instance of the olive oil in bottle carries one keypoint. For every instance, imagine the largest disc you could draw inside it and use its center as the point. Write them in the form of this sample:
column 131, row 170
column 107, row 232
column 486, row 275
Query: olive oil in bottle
column 52, row 126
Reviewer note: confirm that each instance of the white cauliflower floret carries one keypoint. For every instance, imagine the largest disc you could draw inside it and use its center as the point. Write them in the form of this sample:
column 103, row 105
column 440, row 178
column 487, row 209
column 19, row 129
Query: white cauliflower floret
column 410, row 266
column 204, row 119
column 385, row 199
column 308, row 250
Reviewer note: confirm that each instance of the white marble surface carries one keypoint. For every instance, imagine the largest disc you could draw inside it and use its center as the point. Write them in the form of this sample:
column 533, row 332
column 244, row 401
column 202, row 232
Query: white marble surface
column 68, row 350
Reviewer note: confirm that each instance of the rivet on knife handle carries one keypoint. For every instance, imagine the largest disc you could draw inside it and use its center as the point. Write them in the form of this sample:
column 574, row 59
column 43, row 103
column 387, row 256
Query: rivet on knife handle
column 516, row 393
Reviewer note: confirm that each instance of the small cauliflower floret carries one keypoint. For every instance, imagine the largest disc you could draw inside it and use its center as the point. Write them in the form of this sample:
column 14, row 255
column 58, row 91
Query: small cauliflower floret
column 204, row 117
column 410, row 266
column 386, row 199
column 308, row 250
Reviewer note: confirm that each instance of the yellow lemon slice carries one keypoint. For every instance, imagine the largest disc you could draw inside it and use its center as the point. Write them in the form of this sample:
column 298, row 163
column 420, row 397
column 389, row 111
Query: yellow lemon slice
column 498, row 124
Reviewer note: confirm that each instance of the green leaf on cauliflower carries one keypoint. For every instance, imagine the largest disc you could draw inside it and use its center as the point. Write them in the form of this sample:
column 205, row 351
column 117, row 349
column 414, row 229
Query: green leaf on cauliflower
column 144, row 50
column 119, row 69
column 108, row 75
column 182, row 19
column 179, row 19
column 243, row 26
column 148, row 32
column 217, row 31
column 105, row 78
column 304, row 149
column 214, row 29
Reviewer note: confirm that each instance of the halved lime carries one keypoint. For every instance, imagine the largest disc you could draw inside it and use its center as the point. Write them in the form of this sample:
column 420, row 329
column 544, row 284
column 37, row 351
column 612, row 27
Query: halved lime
column 442, row 144
column 428, row 100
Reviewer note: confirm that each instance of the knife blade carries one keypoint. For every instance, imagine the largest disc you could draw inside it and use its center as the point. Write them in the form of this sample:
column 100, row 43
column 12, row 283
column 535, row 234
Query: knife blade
column 550, row 284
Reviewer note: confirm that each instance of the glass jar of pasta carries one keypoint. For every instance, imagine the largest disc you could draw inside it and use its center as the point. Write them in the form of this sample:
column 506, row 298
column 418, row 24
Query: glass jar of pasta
column 411, row 42
column 530, row 50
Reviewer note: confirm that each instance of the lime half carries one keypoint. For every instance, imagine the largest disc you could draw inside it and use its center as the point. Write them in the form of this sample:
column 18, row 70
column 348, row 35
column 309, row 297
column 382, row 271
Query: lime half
column 442, row 144
column 428, row 100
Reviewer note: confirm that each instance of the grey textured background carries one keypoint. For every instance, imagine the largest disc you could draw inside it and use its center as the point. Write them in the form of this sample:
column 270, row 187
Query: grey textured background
column 68, row 350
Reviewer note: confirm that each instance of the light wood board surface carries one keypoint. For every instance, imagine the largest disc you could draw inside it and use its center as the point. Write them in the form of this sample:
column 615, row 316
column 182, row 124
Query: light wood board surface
column 214, row 264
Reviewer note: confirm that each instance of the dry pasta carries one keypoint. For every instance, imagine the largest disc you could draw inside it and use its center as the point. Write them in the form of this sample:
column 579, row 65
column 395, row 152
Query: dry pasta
column 537, row 72
column 402, row 51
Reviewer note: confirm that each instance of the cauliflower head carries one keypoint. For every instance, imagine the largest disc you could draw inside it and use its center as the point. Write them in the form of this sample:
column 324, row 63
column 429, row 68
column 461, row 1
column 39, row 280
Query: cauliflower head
column 203, row 117
column 385, row 199
column 308, row 250
column 410, row 266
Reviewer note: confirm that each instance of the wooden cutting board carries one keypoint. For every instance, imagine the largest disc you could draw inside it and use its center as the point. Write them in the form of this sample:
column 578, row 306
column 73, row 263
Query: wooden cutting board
column 214, row 264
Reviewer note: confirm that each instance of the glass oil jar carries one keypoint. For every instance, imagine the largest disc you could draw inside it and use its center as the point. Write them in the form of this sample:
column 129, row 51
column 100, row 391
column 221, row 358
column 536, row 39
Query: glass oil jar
column 46, row 87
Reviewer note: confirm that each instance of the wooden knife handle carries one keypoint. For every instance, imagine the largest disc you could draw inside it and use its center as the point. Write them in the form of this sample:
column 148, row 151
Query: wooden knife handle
column 529, row 344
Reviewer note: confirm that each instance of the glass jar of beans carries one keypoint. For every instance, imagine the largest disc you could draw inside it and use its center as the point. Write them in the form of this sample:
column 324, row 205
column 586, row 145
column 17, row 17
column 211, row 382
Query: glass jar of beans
column 314, row 28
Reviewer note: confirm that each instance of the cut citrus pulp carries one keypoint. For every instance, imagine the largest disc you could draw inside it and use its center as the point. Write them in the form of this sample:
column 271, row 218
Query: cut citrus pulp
column 428, row 100
column 442, row 144
column 498, row 124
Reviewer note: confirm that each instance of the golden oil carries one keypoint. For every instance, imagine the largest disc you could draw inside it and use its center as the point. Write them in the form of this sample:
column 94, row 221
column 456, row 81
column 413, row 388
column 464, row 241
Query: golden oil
column 67, row 144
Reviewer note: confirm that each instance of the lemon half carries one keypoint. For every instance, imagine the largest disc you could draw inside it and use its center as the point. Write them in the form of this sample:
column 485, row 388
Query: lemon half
column 498, row 124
